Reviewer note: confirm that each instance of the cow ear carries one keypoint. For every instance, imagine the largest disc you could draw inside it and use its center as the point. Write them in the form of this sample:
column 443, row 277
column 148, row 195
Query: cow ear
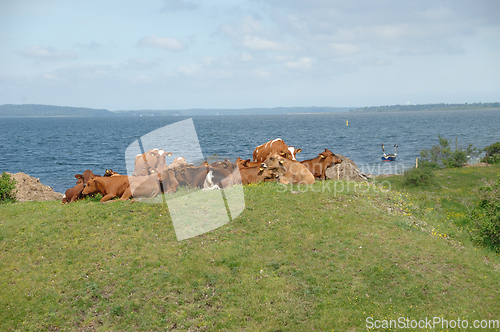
column 283, row 153
column 261, row 168
column 78, row 176
column 298, row 151
column 322, row 156
column 281, row 161
column 169, row 154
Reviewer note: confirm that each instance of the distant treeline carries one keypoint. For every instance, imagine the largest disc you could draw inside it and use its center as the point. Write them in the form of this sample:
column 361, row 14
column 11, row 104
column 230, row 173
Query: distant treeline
column 65, row 111
column 427, row 107
column 47, row 110
column 235, row 111
column 62, row 111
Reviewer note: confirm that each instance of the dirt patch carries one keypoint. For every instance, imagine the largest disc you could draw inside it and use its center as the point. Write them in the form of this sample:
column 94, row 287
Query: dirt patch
column 478, row 165
column 346, row 170
column 31, row 189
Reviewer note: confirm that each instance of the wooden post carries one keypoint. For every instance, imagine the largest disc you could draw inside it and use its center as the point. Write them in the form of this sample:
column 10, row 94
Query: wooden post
column 486, row 158
column 416, row 162
column 338, row 172
column 456, row 144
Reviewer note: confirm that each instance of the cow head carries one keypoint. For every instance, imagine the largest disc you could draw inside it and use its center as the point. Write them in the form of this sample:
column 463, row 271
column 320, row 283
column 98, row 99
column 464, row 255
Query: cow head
column 327, row 153
column 79, row 178
column 274, row 162
column 168, row 180
column 242, row 163
column 85, row 177
column 91, row 187
column 290, row 153
column 152, row 160
column 109, row 172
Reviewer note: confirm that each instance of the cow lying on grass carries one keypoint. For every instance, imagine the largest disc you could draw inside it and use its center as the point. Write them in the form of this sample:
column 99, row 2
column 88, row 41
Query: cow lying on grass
column 254, row 174
column 73, row 194
column 120, row 186
column 276, row 145
column 289, row 171
column 317, row 166
column 76, row 193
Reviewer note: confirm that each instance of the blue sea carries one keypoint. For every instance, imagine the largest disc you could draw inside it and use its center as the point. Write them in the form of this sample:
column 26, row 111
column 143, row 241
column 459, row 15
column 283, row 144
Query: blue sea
column 55, row 149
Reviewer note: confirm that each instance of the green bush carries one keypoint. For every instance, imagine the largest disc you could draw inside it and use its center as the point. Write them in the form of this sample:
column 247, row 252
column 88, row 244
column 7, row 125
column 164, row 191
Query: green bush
column 7, row 188
column 486, row 217
column 431, row 165
column 456, row 159
column 417, row 177
column 493, row 152
column 442, row 155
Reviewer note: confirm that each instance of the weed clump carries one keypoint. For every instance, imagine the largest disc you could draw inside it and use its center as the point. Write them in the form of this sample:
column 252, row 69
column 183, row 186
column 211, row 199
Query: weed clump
column 486, row 217
column 7, row 188
column 443, row 156
column 421, row 176
column 493, row 152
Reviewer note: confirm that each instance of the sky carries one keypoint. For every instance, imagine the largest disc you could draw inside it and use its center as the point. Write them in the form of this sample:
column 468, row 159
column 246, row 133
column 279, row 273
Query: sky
column 182, row 54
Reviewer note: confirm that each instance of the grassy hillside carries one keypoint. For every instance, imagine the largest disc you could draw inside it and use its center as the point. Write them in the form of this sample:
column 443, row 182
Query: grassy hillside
column 322, row 258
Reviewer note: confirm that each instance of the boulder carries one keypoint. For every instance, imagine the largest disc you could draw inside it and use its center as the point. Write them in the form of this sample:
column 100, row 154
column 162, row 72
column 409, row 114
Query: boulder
column 346, row 170
column 31, row 189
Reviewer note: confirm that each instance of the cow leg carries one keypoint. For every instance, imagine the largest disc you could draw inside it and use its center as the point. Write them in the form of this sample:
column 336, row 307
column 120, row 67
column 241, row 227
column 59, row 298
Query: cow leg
column 107, row 198
column 126, row 194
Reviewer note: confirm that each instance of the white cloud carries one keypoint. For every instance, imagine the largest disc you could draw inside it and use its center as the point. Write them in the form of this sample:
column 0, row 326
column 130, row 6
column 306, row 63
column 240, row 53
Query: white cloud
column 141, row 64
column 141, row 80
column 188, row 70
column 168, row 43
column 303, row 63
column 51, row 78
column 84, row 71
column 249, row 33
column 343, row 49
column 246, row 57
column 261, row 73
column 260, row 44
column 42, row 52
column 177, row 5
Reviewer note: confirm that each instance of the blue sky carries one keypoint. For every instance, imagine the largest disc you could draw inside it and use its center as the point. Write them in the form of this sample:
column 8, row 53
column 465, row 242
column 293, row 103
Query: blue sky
column 179, row 54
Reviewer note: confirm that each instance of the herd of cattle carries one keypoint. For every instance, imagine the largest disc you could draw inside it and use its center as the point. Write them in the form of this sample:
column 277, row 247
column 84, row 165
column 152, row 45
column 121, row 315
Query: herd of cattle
column 272, row 161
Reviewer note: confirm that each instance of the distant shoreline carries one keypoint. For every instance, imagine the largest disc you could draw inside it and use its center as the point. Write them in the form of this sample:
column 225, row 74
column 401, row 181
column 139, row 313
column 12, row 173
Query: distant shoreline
column 34, row 111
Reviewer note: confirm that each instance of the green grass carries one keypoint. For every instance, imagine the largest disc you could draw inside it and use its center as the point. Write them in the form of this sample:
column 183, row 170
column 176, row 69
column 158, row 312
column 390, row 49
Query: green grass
column 306, row 259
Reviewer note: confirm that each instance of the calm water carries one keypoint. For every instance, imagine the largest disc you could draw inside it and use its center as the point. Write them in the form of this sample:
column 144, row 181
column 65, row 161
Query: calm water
column 55, row 149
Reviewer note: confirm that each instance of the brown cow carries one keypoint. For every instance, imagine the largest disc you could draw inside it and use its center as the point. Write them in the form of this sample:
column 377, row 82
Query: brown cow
column 225, row 164
column 86, row 176
column 217, row 177
column 76, row 193
column 152, row 161
column 246, row 163
column 178, row 162
column 120, row 186
column 317, row 166
column 169, row 183
column 254, row 174
column 73, row 194
column 289, row 171
column 189, row 176
column 277, row 145
column 110, row 172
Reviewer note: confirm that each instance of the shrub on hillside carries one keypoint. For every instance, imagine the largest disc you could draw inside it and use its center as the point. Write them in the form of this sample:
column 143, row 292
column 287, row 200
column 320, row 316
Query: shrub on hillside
column 7, row 188
column 486, row 217
column 421, row 176
column 493, row 152
column 443, row 156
